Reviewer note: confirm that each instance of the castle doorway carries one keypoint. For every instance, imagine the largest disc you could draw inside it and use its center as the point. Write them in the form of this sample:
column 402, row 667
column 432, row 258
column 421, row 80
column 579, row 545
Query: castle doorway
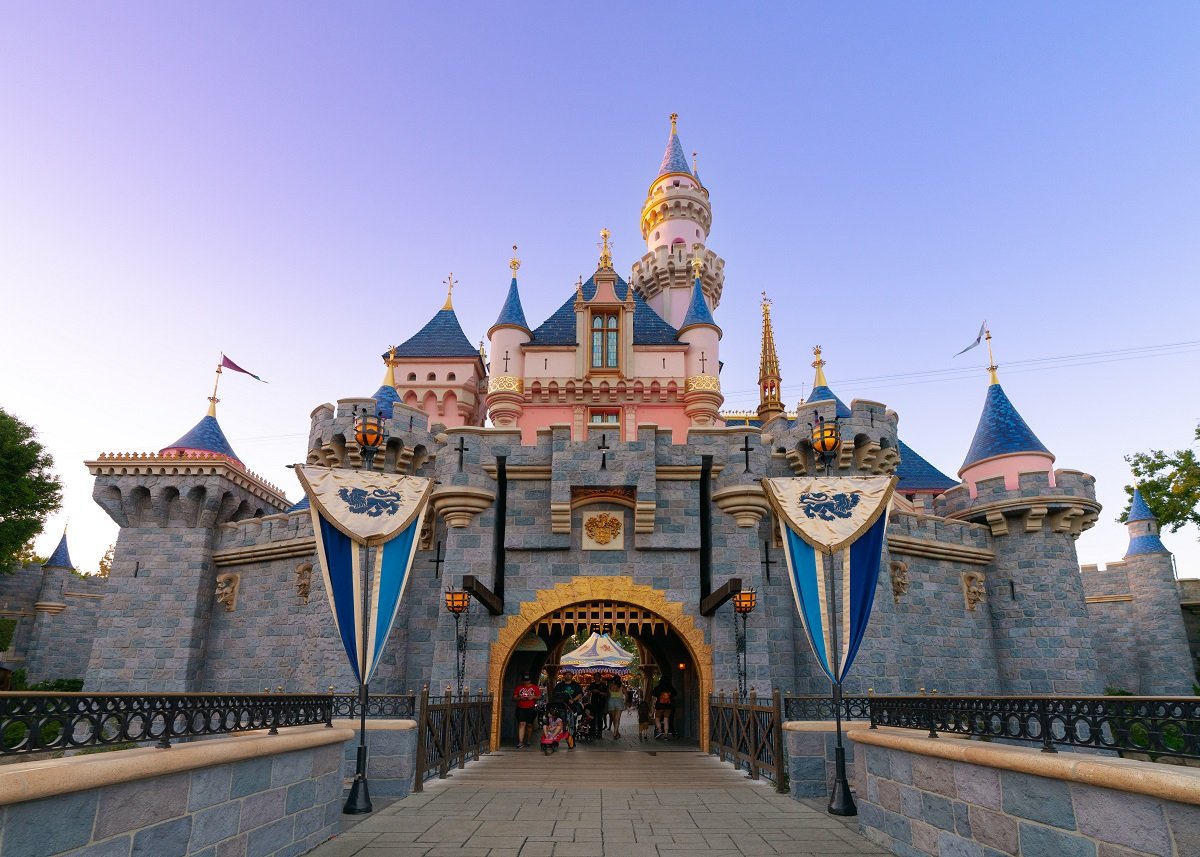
column 668, row 641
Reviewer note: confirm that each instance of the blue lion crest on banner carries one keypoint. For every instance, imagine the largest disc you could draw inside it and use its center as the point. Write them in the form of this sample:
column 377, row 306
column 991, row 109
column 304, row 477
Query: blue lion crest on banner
column 373, row 504
column 827, row 507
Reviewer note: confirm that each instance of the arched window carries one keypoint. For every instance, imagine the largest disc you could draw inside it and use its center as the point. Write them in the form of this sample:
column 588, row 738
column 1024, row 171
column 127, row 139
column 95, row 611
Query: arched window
column 412, row 376
column 432, row 376
column 605, row 341
column 451, row 377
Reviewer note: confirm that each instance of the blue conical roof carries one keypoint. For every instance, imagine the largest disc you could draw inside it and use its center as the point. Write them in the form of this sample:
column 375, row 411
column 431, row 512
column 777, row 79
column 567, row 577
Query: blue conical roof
column 824, row 394
column 205, row 436
column 673, row 160
column 698, row 311
column 649, row 328
column 1001, row 430
column 917, row 474
column 442, row 336
column 61, row 558
column 512, row 313
column 1149, row 543
column 385, row 397
column 300, row 505
column 1138, row 510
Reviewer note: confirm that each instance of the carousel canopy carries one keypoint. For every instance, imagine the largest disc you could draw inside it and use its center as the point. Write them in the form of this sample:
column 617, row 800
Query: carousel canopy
column 598, row 654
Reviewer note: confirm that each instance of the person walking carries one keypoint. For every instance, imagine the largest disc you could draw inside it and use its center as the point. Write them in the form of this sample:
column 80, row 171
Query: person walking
column 616, row 706
column 526, row 696
column 664, row 707
column 599, row 704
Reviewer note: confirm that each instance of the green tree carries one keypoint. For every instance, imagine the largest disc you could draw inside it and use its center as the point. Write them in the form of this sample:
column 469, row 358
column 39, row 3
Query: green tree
column 106, row 562
column 28, row 555
column 1170, row 485
column 29, row 490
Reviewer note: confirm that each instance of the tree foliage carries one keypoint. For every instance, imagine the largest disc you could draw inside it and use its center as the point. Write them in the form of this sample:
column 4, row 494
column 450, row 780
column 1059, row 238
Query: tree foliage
column 29, row 489
column 1170, row 485
column 28, row 555
column 106, row 562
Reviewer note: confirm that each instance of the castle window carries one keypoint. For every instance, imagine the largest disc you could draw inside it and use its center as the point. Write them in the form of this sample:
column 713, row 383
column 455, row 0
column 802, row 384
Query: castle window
column 451, row 377
column 605, row 416
column 431, row 377
column 657, row 235
column 605, row 341
column 412, row 376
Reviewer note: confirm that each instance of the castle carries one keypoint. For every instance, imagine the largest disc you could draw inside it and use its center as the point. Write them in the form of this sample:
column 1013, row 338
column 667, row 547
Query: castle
column 588, row 476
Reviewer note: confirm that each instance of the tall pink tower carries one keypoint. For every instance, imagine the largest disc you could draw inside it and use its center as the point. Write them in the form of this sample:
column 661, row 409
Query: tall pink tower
column 676, row 219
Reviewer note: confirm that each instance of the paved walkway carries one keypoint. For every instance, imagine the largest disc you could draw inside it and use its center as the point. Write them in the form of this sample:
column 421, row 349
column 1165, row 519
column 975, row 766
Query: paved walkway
column 597, row 804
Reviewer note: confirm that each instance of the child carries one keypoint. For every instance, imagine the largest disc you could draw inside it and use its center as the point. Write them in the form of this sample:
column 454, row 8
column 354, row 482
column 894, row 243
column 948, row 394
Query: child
column 643, row 720
column 552, row 734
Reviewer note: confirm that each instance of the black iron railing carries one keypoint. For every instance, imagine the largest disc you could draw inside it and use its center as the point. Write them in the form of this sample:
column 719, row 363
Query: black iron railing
column 821, row 707
column 1154, row 726
column 33, row 722
column 749, row 733
column 451, row 730
column 389, row 705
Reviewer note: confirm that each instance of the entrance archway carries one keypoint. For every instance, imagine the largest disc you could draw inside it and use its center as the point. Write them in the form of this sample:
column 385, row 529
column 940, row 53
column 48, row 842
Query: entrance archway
column 618, row 590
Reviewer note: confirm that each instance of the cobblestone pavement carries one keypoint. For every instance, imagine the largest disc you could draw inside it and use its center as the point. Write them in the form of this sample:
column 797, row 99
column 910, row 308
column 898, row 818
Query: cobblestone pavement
column 590, row 804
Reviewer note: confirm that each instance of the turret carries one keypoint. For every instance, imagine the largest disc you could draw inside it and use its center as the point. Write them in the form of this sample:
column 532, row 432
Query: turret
column 770, row 405
column 387, row 396
column 1165, row 666
column 439, row 371
column 506, row 385
column 702, row 391
column 676, row 219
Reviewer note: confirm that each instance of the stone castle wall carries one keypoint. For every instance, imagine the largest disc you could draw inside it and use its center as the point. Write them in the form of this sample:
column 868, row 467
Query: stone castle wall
column 50, row 645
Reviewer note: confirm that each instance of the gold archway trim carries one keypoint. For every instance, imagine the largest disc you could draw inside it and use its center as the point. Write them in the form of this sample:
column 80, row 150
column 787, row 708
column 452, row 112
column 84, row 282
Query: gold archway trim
column 620, row 588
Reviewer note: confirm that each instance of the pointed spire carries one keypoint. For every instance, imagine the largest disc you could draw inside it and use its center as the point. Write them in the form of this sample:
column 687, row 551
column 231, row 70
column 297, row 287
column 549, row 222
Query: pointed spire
column 204, row 436
column 698, row 311
column 674, row 160
column 512, row 314
column 1138, row 510
column 992, row 377
column 450, row 284
column 820, row 391
column 1002, row 431
column 61, row 558
column 606, row 261
column 769, row 404
column 819, row 365
column 1143, row 528
column 212, row 400
column 389, row 376
column 442, row 336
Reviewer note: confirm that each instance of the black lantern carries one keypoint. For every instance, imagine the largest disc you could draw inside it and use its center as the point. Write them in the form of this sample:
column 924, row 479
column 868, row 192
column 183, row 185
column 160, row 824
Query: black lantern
column 370, row 434
column 744, row 603
column 823, row 434
column 457, row 603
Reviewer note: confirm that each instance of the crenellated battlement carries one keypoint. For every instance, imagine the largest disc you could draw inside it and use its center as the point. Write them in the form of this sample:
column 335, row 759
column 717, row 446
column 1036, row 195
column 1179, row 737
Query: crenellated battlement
column 868, row 438
column 669, row 267
column 331, row 437
column 1064, row 500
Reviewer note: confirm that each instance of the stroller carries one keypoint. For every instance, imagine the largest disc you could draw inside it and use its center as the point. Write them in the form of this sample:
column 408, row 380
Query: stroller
column 570, row 717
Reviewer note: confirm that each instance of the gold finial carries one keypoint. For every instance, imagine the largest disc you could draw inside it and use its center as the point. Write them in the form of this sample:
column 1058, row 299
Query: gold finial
column 482, row 352
column 212, row 400
column 697, row 265
column 994, row 378
column 674, row 119
column 450, row 284
column 605, row 249
column 769, row 380
column 514, row 263
column 389, row 377
column 579, row 288
column 693, row 161
column 819, row 365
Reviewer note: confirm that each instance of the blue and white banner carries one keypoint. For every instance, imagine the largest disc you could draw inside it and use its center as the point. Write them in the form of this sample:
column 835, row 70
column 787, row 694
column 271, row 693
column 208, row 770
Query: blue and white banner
column 352, row 512
column 833, row 525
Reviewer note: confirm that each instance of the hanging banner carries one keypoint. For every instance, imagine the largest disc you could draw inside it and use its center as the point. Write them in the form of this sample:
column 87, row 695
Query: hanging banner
column 819, row 518
column 351, row 510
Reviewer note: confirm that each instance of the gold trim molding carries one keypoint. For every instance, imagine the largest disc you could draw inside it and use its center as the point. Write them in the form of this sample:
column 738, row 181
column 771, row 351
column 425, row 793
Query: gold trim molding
column 702, row 382
column 582, row 589
column 506, row 384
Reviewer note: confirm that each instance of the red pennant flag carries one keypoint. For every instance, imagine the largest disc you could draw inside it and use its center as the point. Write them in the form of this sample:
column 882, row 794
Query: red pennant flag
column 226, row 363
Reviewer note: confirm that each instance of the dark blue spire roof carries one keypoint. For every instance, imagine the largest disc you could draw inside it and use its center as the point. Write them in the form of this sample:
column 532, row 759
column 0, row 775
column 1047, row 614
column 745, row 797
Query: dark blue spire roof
column 385, row 397
column 205, row 436
column 648, row 326
column 61, row 558
column 512, row 313
column 442, row 337
column 1138, row 510
column 698, row 312
column 301, row 505
column 1149, row 543
column 824, row 394
column 917, row 474
column 673, row 160
column 1001, row 430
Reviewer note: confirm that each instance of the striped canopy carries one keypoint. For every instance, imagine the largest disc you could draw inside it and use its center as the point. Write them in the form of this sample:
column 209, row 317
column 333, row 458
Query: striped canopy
column 598, row 654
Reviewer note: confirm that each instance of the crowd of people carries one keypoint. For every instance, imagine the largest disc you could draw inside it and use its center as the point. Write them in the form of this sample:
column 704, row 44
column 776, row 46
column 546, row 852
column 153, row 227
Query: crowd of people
column 572, row 711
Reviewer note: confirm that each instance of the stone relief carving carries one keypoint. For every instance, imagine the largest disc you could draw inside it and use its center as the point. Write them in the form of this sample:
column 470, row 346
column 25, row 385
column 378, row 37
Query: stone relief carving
column 973, row 589
column 899, row 573
column 304, row 579
column 426, row 537
column 227, row 590
column 602, row 528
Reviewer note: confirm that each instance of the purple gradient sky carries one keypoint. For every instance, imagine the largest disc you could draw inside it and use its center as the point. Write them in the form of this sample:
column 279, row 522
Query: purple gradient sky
column 291, row 182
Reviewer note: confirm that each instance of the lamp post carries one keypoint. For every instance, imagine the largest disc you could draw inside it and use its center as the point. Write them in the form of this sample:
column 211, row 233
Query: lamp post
column 457, row 602
column 743, row 606
column 825, row 443
column 370, row 433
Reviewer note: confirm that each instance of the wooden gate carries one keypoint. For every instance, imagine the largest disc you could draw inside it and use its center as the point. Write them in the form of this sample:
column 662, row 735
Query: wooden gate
column 749, row 734
column 450, row 732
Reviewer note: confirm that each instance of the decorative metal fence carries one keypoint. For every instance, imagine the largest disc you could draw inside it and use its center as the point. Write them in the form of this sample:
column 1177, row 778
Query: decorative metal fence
column 450, row 732
column 392, row 705
column 32, row 722
column 1155, row 726
column 749, row 733
column 821, row 707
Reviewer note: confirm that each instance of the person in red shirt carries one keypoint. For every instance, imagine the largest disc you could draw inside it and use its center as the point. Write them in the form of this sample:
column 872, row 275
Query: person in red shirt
column 526, row 695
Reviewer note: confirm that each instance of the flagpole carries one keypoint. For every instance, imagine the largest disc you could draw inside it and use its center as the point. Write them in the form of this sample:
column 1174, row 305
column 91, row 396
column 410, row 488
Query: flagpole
column 212, row 402
column 841, row 802
column 359, row 799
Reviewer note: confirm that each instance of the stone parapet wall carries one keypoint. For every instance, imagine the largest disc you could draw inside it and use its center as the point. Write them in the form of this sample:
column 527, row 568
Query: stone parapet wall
column 810, row 747
column 61, row 643
column 391, row 763
column 946, row 796
column 253, row 794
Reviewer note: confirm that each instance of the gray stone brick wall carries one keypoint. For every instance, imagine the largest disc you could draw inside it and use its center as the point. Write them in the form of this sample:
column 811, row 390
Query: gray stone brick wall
column 18, row 592
column 270, row 806
column 920, row 805
column 61, row 643
column 1165, row 663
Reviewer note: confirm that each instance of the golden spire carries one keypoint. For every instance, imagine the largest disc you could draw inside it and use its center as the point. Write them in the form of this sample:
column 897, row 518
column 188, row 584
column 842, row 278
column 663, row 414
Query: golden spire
column 693, row 161
column 389, row 377
column 605, row 249
column 212, row 400
column 450, row 284
column 991, row 361
column 819, row 365
column 514, row 263
column 579, row 289
column 697, row 265
column 769, row 405
column 482, row 352
column 674, row 120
